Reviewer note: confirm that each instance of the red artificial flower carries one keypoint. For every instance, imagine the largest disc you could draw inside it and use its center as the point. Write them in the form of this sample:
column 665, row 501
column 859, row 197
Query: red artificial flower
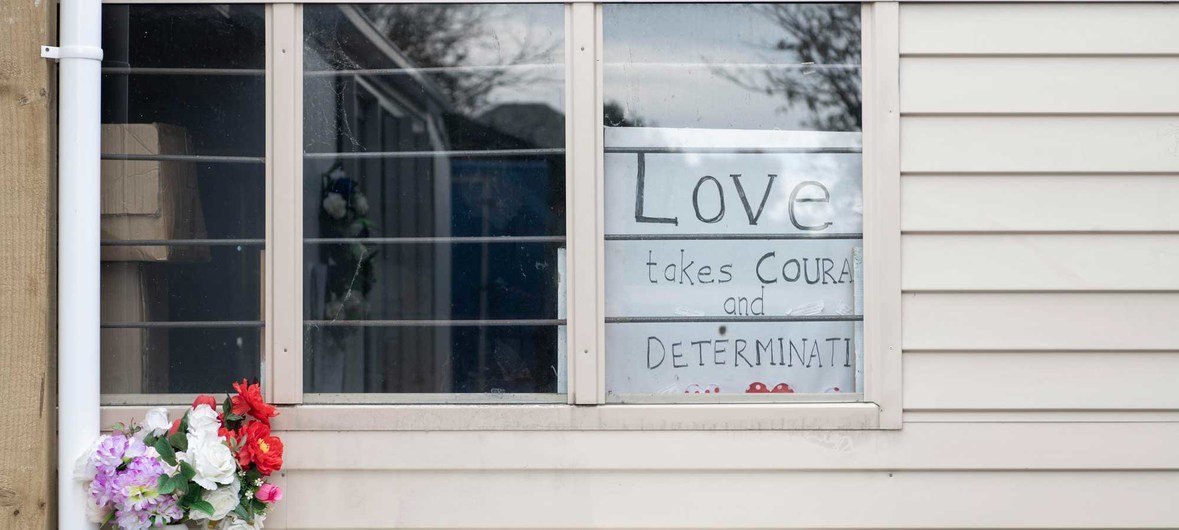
column 205, row 399
column 249, row 401
column 175, row 427
column 247, row 437
column 266, row 453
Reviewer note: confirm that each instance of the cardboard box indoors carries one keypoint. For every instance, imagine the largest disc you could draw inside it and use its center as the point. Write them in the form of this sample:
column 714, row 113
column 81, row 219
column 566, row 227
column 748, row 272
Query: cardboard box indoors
column 149, row 199
column 134, row 360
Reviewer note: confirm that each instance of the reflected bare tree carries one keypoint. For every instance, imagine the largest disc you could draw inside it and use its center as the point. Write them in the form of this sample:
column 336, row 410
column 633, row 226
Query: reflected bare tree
column 464, row 35
column 826, row 38
column 615, row 115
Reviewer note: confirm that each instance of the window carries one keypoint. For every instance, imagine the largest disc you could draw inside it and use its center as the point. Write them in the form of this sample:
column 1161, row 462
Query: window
column 733, row 206
column 623, row 205
column 434, row 197
column 183, row 194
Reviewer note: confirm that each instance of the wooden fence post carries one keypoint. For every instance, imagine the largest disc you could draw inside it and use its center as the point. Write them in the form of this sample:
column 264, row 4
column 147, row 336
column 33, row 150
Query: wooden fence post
column 28, row 239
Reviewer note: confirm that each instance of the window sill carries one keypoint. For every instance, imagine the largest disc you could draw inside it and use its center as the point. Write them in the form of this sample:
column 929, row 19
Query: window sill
column 559, row 417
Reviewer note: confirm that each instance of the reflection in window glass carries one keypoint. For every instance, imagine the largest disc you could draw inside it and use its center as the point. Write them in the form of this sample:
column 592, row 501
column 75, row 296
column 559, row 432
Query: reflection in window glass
column 733, row 200
column 434, row 195
column 732, row 66
column 183, row 196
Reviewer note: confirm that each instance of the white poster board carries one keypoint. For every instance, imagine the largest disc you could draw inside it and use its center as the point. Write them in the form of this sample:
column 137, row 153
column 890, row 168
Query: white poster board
column 730, row 261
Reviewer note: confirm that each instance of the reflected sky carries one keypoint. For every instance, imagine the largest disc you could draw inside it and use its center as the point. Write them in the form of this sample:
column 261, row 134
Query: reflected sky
column 705, row 65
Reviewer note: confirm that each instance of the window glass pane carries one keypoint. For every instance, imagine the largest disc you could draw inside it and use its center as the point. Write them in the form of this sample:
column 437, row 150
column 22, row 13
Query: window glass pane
column 733, row 200
column 183, row 196
column 434, row 196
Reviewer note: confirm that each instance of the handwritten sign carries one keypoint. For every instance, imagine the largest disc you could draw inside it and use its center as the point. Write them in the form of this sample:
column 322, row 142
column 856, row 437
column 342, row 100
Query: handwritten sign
column 731, row 261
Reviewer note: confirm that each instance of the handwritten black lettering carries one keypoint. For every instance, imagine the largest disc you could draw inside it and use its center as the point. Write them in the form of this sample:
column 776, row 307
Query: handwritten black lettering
column 794, row 199
column 745, row 202
column 640, row 184
column 757, row 269
column 720, row 193
column 662, row 352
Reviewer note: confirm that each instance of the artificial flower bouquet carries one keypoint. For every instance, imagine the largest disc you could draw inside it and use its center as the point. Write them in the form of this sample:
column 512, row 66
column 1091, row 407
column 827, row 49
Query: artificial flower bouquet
column 206, row 469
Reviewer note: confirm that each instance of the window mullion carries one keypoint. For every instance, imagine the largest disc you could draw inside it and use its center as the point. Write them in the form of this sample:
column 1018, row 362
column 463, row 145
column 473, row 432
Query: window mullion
column 882, row 226
column 584, row 218
column 284, row 227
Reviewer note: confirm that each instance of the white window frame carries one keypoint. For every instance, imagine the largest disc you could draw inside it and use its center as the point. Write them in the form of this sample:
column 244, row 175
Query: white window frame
column 584, row 405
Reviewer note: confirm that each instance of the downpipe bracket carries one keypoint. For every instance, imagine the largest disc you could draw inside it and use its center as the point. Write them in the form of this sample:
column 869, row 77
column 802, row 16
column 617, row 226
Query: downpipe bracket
column 58, row 53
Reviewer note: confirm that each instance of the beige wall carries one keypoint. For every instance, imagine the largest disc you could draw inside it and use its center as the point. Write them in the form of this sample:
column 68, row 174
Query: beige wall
column 1040, row 162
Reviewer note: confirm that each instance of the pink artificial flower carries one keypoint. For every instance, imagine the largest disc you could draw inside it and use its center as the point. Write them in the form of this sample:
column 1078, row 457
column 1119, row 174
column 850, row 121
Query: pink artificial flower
column 268, row 493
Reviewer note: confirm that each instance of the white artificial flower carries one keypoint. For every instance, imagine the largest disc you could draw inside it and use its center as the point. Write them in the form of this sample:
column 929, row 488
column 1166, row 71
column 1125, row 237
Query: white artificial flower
column 233, row 522
column 155, row 423
column 335, row 205
column 336, row 174
column 212, row 460
column 360, row 203
column 223, row 499
column 96, row 513
column 202, row 423
column 84, row 468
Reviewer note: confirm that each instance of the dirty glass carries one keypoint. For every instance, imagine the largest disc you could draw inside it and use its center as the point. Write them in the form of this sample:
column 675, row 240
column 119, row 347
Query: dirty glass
column 733, row 201
column 183, row 196
column 434, row 197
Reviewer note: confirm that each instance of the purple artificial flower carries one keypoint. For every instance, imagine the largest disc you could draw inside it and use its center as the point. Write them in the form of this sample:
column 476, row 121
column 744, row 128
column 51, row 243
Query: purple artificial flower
column 127, row 479
column 109, row 454
column 103, row 489
column 117, row 449
column 137, row 484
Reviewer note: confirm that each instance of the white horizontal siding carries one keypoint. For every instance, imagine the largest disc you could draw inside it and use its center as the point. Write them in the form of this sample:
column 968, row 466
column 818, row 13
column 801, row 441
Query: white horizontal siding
column 1071, row 262
column 1027, row 28
column 1039, row 380
column 727, row 499
column 1040, row 203
column 1067, row 85
column 1040, row 174
column 1040, row 321
column 1056, row 144
column 921, row 446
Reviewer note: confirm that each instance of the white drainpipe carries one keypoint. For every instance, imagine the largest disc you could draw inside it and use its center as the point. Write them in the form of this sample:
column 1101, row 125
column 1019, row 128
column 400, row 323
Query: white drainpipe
column 79, row 76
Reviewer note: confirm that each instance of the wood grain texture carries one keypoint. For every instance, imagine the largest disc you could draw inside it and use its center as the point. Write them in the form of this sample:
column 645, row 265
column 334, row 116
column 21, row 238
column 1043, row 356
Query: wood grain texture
column 1040, row 262
column 26, row 267
column 1041, row 144
column 1042, row 381
column 1067, row 28
column 1040, row 203
column 923, row 446
column 1042, row 321
column 729, row 499
column 1067, row 85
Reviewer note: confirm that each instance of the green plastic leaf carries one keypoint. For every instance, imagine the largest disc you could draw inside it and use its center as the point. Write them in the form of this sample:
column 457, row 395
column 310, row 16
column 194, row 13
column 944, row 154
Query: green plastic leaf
column 187, row 471
column 179, row 441
column 182, row 484
column 165, row 449
column 191, row 496
column 203, row 506
column 167, row 485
